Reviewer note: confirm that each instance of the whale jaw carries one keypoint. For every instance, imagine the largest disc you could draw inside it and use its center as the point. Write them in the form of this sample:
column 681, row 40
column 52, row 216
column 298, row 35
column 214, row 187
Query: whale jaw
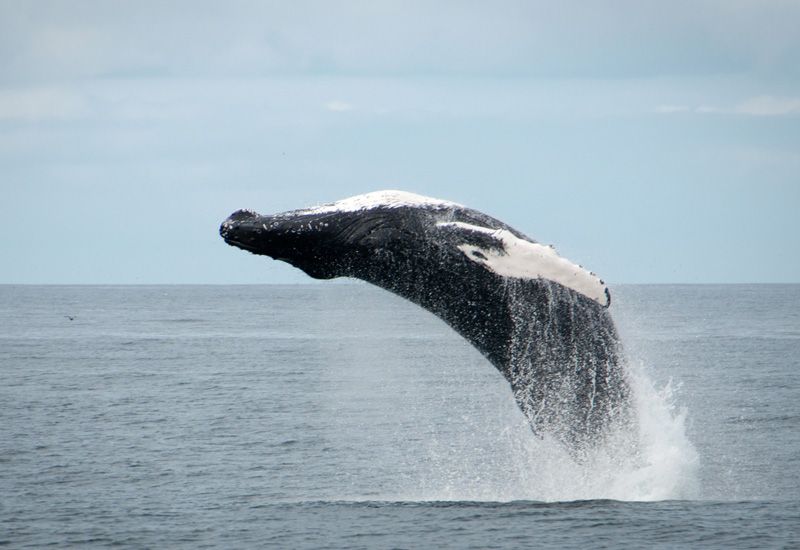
column 295, row 240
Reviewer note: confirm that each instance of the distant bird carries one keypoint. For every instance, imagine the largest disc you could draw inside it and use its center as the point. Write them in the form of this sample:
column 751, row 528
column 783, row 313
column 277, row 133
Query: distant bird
column 70, row 317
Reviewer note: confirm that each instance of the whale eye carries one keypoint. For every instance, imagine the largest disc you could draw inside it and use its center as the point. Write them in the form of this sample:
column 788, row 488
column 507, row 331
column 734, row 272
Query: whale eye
column 479, row 254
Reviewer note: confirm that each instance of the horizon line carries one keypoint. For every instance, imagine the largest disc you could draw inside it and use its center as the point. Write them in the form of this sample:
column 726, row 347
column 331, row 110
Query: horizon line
column 357, row 282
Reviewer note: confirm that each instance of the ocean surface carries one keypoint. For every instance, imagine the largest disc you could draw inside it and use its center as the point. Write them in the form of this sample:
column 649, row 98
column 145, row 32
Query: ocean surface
column 341, row 416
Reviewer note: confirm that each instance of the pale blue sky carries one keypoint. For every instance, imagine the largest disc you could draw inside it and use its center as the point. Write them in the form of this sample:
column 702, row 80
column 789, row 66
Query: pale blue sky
column 649, row 141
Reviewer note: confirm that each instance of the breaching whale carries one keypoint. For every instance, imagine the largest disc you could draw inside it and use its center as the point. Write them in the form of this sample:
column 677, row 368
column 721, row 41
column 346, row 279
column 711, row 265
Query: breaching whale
column 540, row 319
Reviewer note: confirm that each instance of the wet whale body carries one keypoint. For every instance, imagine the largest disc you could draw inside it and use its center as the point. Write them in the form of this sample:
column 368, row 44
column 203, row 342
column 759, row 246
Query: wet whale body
column 540, row 319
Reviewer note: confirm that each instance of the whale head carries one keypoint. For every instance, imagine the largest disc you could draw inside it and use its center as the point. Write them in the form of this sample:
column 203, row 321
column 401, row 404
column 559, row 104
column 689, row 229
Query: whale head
column 298, row 239
column 333, row 240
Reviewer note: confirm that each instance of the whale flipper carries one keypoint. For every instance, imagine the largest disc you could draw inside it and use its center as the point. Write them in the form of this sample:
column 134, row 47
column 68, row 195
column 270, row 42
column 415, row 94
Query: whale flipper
column 540, row 319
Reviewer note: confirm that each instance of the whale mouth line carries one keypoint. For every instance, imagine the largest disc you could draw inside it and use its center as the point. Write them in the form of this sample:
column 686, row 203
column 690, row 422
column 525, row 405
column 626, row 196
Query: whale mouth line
column 240, row 244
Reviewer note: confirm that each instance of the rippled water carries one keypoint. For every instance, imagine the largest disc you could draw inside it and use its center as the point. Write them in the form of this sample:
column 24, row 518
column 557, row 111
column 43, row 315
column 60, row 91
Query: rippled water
column 342, row 416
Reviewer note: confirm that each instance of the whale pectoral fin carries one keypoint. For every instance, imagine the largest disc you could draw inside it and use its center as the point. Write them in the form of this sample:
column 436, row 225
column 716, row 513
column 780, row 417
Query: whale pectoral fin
column 511, row 256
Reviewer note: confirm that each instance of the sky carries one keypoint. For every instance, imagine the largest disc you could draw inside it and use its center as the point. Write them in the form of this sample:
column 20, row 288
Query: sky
column 652, row 142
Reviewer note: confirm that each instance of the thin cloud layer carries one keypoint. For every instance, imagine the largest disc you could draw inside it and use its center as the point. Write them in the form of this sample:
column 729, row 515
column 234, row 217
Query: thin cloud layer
column 338, row 106
column 41, row 104
column 769, row 106
column 53, row 40
column 759, row 106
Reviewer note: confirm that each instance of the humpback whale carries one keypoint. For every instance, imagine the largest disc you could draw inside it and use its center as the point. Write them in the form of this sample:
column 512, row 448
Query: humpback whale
column 540, row 319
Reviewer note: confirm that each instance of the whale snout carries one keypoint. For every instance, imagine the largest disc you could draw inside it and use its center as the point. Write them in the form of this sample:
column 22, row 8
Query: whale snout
column 242, row 229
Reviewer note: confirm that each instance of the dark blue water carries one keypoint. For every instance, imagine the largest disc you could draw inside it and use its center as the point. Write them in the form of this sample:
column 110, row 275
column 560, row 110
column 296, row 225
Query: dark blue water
column 341, row 416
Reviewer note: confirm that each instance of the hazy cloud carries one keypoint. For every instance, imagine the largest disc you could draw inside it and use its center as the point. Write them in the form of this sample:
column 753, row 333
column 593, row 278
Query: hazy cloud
column 764, row 105
column 769, row 106
column 39, row 104
column 52, row 40
column 338, row 106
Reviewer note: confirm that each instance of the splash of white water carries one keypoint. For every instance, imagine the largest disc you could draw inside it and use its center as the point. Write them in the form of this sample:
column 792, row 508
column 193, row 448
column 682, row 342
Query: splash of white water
column 654, row 462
